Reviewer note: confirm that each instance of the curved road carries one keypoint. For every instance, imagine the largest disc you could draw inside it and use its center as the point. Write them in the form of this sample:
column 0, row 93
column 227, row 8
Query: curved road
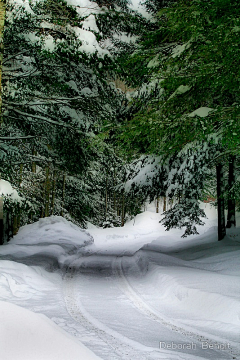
column 119, row 323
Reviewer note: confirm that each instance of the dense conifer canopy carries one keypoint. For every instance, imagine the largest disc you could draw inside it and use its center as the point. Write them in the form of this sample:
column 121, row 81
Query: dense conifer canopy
column 94, row 94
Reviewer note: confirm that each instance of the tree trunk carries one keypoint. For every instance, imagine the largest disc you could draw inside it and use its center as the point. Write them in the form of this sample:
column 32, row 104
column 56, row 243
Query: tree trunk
column 10, row 225
column 123, row 211
column 164, row 204
column 157, row 205
column 34, row 167
column 1, row 220
column 231, row 217
column 19, row 219
column 220, row 201
column 114, row 191
column 20, row 174
column 47, row 191
column 53, row 191
column 44, row 196
column 2, row 21
column 63, row 192
column 15, row 227
column 106, row 199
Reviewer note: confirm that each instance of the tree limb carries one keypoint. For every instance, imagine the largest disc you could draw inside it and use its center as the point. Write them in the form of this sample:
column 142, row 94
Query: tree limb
column 10, row 138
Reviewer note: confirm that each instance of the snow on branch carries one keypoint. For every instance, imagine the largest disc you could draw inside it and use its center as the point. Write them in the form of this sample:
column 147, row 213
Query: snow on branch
column 10, row 138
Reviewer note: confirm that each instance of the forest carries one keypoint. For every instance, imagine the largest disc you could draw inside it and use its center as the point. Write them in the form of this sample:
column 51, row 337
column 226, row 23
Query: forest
column 105, row 108
column 119, row 176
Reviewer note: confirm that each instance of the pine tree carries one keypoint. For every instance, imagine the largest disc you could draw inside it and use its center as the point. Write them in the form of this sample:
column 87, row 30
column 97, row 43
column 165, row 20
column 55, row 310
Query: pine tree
column 2, row 20
column 59, row 96
column 188, row 88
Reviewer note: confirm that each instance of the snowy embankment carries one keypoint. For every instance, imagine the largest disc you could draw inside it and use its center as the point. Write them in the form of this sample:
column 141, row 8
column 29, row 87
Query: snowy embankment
column 152, row 287
column 24, row 335
column 194, row 281
column 53, row 241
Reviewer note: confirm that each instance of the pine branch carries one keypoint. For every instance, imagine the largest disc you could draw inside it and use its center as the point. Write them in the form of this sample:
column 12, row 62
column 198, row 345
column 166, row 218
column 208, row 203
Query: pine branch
column 11, row 138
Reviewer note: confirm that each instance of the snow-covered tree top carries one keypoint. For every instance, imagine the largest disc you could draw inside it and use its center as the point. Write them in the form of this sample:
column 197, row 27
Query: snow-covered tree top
column 6, row 189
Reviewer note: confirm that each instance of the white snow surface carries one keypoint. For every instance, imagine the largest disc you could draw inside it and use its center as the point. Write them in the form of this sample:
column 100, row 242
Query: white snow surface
column 85, row 7
column 180, row 90
column 6, row 189
column 25, row 335
column 202, row 112
column 179, row 49
column 136, row 292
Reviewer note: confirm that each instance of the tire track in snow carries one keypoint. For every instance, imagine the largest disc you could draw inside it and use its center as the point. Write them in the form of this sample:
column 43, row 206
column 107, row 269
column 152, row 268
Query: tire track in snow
column 148, row 311
column 120, row 347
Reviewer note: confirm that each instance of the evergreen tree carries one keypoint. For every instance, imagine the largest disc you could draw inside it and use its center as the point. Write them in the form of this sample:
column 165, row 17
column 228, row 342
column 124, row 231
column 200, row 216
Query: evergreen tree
column 59, row 92
column 2, row 20
column 186, row 71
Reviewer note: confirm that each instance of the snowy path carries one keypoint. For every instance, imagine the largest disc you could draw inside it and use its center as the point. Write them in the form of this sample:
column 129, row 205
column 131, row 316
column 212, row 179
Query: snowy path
column 112, row 344
column 102, row 301
column 130, row 295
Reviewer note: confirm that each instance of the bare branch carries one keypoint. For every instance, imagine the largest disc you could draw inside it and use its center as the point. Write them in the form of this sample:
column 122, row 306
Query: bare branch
column 10, row 138
column 13, row 56
column 43, row 118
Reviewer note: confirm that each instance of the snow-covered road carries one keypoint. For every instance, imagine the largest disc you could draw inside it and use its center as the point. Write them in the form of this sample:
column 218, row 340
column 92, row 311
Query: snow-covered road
column 131, row 295
column 121, row 324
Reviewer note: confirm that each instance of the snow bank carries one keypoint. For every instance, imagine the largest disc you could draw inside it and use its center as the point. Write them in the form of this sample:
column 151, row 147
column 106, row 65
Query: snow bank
column 198, row 294
column 192, row 281
column 145, row 229
column 25, row 335
column 56, row 240
column 22, row 282
column 53, row 229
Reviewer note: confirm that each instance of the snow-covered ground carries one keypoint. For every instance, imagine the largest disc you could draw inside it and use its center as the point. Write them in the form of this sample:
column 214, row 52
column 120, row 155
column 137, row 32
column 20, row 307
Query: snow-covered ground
column 133, row 293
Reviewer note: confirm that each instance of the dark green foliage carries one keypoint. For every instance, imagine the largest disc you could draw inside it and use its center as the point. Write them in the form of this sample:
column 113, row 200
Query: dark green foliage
column 153, row 6
column 64, row 113
column 189, row 63
column 58, row 100
column 196, row 45
column 186, row 214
